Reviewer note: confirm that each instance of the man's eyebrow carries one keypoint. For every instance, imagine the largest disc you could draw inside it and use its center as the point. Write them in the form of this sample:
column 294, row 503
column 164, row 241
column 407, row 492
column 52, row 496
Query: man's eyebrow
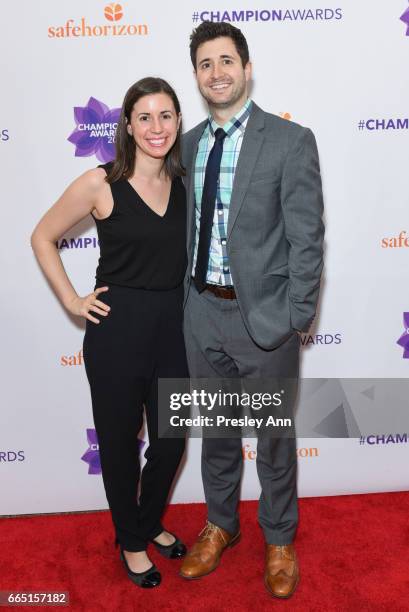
column 225, row 56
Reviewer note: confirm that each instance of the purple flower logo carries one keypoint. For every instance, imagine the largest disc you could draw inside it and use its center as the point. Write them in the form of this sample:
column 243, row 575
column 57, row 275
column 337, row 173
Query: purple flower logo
column 404, row 339
column 91, row 456
column 405, row 19
column 95, row 129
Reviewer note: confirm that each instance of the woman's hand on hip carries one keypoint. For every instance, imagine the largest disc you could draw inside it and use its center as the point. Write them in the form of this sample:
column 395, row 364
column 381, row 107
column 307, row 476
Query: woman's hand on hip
column 84, row 306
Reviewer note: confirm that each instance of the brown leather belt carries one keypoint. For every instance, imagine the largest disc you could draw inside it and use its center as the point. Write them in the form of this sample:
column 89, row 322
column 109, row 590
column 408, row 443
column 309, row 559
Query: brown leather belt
column 226, row 293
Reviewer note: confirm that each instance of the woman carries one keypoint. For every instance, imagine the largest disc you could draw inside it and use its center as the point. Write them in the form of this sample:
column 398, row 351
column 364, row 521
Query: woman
column 134, row 315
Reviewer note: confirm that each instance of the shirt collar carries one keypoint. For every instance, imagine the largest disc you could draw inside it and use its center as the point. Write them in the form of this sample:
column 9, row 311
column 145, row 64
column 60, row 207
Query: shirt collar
column 237, row 124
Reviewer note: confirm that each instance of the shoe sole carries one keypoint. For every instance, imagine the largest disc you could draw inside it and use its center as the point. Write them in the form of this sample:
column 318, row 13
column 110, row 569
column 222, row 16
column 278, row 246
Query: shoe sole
column 234, row 541
column 281, row 596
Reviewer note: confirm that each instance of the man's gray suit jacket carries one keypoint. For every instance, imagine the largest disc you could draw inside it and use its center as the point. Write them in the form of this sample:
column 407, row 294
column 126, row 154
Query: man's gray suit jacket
column 275, row 230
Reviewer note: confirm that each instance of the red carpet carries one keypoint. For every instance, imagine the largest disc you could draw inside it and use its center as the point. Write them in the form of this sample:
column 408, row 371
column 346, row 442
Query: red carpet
column 353, row 551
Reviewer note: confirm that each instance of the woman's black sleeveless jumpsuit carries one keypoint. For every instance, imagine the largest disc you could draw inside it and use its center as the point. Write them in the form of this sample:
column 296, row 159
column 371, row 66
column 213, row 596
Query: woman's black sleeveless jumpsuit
column 143, row 262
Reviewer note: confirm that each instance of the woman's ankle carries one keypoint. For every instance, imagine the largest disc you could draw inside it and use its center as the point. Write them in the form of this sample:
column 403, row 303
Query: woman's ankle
column 165, row 538
column 137, row 561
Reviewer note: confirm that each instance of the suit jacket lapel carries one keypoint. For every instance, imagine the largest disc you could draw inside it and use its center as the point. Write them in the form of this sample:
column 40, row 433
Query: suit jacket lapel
column 250, row 148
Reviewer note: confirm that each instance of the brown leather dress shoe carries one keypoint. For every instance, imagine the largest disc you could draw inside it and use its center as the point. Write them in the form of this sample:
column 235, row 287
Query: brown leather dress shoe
column 282, row 575
column 204, row 556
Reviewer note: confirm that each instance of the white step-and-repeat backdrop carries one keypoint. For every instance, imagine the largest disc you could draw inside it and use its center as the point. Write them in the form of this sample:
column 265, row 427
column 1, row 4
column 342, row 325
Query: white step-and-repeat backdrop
column 338, row 67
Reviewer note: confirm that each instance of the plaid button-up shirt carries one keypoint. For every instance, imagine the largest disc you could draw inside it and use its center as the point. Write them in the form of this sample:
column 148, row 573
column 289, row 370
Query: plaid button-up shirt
column 219, row 270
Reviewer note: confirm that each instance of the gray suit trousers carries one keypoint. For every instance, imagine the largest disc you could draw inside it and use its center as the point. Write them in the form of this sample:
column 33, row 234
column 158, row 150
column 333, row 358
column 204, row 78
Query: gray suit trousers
column 219, row 346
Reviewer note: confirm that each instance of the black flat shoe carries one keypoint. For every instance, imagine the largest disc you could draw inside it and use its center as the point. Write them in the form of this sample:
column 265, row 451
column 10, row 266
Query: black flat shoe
column 147, row 580
column 177, row 550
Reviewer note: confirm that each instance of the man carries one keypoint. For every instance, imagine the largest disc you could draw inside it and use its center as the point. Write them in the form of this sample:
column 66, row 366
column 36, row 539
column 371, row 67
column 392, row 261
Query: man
column 255, row 238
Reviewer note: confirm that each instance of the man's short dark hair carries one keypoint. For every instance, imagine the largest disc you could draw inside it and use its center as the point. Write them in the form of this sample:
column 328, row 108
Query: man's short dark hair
column 209, row 30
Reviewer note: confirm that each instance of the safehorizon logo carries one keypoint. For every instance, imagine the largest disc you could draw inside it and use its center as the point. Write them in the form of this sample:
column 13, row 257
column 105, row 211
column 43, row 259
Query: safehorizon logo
column 404, row 339
column 72, row 360
column 250, row 454
column 113, row 13
column 285, row 115
column 396, row 242
column 95, row 130
column 405, row 19
column 92, row 457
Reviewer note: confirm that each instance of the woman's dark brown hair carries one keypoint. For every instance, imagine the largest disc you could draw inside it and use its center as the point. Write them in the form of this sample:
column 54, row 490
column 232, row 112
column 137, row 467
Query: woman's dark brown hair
column 123, row 165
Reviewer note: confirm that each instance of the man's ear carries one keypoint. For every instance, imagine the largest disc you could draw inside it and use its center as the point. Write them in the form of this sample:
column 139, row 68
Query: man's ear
column 248, row 70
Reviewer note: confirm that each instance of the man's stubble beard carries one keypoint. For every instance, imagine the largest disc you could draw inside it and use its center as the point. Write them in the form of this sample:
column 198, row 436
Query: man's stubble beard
column 236, row 95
